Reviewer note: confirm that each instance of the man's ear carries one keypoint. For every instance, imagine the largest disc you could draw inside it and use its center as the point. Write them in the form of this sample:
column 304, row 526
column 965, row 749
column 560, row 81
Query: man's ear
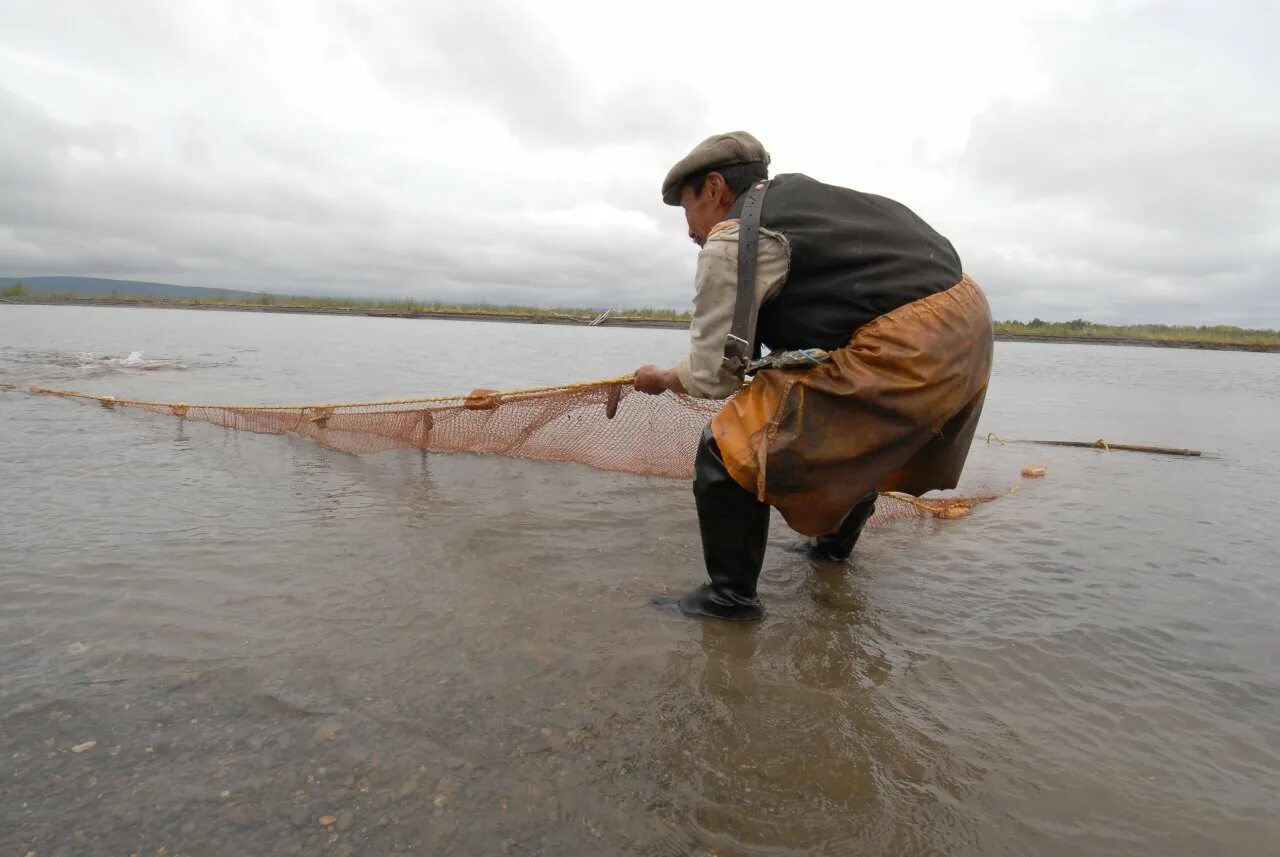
column 715, row 183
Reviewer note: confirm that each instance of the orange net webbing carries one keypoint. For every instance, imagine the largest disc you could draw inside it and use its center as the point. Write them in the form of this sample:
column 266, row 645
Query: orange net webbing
column 604, row 424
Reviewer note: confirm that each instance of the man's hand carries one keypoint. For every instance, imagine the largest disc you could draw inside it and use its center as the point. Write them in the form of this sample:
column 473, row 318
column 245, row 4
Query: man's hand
column 655, row 381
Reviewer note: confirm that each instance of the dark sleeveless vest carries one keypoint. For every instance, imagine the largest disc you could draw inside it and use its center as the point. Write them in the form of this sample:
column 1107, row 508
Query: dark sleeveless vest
column 854, row 257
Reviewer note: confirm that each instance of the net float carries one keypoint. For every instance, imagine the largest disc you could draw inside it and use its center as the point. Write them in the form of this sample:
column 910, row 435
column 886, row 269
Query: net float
column 611, row 406
column 320, row 416
column 482, row 399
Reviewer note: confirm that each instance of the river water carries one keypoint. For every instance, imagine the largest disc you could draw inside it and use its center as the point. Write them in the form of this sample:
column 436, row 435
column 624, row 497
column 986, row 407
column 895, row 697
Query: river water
column 210, row 641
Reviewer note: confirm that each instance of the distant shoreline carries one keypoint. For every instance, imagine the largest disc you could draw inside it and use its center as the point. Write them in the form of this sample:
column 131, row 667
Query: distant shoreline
column 551, row 317
column 459, row 314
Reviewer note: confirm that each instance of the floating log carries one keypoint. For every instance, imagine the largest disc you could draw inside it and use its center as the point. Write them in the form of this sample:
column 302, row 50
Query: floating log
column 1126, row 447
column 1102, row 444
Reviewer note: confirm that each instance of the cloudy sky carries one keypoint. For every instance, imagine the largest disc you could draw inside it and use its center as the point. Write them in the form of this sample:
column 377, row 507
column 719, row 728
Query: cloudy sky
column 1118, row 161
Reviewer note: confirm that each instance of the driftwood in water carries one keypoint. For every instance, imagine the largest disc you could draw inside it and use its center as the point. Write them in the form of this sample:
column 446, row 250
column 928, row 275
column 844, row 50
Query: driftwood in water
column 1102, row 444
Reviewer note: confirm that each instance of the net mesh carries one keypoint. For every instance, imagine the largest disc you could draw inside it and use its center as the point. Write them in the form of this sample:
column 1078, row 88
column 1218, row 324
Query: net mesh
column 604, row 424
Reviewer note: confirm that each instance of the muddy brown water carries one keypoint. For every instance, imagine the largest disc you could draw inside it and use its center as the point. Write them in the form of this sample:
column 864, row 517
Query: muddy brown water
column 211, row 641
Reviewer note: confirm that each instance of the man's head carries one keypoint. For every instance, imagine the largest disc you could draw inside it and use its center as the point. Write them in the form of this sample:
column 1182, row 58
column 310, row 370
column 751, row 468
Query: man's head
column 708, row 180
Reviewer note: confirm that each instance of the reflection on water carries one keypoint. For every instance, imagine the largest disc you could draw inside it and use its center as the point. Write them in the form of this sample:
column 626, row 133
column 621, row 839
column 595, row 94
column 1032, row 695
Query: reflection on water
column 212, row 642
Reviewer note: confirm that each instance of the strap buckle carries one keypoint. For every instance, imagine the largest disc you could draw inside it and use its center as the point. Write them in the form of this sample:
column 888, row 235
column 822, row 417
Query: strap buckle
column 803, row 358
column 737, row 354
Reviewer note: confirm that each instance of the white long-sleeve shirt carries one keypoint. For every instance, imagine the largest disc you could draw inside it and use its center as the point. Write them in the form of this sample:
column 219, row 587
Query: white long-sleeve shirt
column 716, row 293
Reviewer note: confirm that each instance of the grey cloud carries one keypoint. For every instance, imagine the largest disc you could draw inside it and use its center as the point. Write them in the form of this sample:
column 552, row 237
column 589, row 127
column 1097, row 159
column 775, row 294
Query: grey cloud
column 136, row 36
column 1143, row 184
column 1166, row 165
column 270, row 224
column 1139, row 184
column 1024, row 286
column 499, row 54
column 190, row 197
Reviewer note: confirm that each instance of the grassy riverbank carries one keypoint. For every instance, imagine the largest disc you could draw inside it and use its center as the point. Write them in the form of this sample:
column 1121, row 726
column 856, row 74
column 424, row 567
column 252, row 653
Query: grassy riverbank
column 1204, row 336
column 392, row 308
column 1174, row 336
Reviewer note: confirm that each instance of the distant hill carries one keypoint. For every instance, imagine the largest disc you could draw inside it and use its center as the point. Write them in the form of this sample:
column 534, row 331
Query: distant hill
column 93, row 286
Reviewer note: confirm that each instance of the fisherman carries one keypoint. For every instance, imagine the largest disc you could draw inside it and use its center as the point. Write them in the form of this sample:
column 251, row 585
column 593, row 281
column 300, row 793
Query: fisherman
column 792, row 264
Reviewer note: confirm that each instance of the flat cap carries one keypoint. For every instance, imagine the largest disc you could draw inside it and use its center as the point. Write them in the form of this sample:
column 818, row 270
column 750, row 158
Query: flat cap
column 719, row 150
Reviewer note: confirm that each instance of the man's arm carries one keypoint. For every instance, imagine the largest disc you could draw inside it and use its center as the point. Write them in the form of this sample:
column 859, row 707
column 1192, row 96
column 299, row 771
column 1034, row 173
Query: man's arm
column 702, row 374
column 654, row 380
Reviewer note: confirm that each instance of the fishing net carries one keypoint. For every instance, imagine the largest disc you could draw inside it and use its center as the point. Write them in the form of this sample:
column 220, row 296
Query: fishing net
column 604, row 424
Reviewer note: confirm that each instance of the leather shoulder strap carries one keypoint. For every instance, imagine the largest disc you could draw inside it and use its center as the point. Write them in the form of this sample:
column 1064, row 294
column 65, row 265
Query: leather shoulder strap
column 737, row 345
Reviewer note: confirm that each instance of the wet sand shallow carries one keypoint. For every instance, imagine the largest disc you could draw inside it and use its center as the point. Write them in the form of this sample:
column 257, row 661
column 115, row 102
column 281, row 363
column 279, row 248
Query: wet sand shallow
column 456, row 654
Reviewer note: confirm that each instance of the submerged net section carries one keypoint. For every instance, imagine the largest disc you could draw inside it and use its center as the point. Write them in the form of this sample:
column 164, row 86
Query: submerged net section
column 604, row 424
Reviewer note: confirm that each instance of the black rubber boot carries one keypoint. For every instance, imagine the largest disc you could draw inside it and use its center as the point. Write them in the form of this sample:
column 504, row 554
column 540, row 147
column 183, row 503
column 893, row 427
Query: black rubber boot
column 839, row 545
column 735, row 529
